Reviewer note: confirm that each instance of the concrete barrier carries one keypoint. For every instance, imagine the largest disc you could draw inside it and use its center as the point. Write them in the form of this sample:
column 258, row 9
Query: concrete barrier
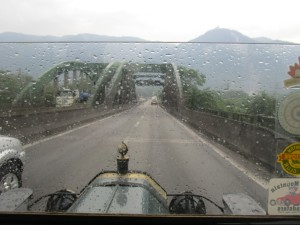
column 34, row 126
column 256, row 143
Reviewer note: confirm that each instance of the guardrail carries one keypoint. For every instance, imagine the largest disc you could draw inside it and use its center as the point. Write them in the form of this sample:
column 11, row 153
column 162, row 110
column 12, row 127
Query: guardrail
column 259, row 120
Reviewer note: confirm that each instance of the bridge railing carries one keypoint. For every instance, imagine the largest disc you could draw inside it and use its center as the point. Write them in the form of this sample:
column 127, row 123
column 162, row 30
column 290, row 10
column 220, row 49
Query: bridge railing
column 241, row 133
column 259, row 120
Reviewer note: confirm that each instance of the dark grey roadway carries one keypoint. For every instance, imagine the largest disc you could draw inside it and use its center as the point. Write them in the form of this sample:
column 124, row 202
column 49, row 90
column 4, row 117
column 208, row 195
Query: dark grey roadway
column 174, row 155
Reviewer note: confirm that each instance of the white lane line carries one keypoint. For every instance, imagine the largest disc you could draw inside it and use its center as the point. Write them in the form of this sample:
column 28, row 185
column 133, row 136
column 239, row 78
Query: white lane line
column 127, row 138
column 260, row 181
column 67, row 132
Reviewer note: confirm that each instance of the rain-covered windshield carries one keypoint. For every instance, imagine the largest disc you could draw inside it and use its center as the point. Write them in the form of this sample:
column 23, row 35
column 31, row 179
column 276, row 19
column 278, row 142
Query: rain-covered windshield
column 210, row 118
column 122, row 125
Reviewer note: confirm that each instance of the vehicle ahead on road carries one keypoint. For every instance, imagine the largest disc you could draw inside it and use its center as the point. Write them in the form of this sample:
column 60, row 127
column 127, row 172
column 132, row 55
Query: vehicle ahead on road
column 128, row 192
column 154, row 100
column 12, row 159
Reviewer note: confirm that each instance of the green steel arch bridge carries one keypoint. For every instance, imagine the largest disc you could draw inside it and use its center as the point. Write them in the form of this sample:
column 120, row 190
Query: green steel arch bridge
column 107, row 83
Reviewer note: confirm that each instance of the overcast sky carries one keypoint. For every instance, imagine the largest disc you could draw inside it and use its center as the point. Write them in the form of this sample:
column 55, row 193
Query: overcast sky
column 153, row 20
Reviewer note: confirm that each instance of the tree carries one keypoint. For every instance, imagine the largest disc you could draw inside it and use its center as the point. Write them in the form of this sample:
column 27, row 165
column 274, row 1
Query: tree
column 194, row 97
column 206, row 98
column 11, row 84
column 262, row 104
column 235, row 101
column 190, row 78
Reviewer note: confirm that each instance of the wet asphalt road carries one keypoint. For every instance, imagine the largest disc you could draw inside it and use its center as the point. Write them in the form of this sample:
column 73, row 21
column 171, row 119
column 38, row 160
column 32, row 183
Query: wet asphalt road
column 173, row 154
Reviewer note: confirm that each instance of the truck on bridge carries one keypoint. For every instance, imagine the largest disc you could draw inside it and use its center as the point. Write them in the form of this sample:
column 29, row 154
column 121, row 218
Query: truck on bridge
column 66, row 97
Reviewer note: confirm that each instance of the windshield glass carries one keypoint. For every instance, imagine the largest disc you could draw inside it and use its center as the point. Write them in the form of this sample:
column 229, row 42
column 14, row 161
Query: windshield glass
column 207, row 118
column 212, row 126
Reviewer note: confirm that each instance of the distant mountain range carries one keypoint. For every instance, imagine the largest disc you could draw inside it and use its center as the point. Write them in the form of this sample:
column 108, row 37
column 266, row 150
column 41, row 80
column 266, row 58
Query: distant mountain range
column 229, row 59
column 215, row 35
column 231, row 36
column 18, row 37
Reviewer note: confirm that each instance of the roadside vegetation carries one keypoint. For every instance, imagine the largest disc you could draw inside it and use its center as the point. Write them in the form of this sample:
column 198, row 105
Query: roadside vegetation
column 11, row 84
column 233, row 101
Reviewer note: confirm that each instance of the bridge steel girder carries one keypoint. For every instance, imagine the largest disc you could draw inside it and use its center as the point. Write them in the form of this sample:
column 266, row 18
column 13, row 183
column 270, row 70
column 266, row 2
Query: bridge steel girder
column 111, row 75
column 35, row 90
column 113, row 89
column 115, row 85
column 126, row 87
column 179, row 86
column 172, row 85
column 105, row 77
column 172, row 92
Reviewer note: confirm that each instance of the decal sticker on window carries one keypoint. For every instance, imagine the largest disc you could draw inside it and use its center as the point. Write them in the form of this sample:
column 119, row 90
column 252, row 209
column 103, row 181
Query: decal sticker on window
column 289, row 113
column 290, row 159
column 295, row 74
column 284, row 196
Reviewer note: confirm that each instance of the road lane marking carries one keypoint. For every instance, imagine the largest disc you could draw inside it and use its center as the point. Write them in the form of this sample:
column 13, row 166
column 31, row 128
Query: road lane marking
column 127, row 138
column 260, row 181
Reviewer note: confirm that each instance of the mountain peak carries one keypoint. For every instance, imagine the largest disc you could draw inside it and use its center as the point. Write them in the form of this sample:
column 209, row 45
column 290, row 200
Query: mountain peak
column 223, row 35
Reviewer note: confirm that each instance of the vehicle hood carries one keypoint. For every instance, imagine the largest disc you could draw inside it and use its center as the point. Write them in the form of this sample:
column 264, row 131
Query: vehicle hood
column 9, row 142
column 133, row 193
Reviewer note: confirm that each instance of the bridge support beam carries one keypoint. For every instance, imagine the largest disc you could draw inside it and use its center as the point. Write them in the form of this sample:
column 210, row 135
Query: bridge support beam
column 172, row 92
column 128, row 93
column 66, row 78
column 74, row 76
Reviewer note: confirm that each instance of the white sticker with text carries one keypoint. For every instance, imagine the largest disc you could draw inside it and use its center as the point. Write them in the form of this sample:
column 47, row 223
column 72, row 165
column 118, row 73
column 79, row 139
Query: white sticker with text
column 284, row 196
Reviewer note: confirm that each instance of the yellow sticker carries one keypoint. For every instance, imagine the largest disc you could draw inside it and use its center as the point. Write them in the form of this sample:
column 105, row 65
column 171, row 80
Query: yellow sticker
column 290, row 159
